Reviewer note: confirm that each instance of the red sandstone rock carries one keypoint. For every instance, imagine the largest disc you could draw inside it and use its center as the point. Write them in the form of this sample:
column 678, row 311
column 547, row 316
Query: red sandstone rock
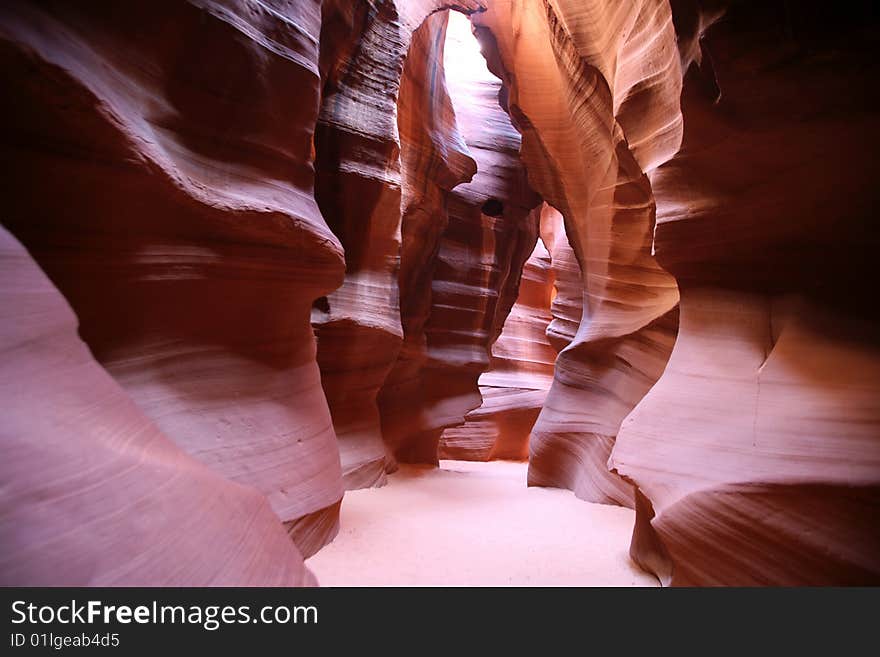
column 93, row 493
column 566, row 306
column 594, row 89
column 164, row 183
column 359, row 190
column 756, row 455
column 462, row 255
column 165, row 158
column 520, row 370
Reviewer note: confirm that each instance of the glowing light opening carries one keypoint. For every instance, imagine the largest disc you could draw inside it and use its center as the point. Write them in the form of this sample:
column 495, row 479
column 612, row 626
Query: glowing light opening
column 462, row 56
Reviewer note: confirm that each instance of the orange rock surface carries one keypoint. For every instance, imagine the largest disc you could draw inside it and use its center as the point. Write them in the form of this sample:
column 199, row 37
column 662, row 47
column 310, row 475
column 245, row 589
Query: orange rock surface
column 254, row 254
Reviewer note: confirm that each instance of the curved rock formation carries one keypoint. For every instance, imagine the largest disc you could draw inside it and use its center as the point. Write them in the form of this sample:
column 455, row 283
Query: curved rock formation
column 164, row 183
column 359, row 190
column 459, row 282
column 594, row 89
column 299, row 241
column 756, row 455
column 521, row 367
column 93, row 493
column 566, row 306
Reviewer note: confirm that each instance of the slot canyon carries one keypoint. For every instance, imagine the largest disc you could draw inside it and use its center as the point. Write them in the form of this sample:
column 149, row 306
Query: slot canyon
column 439, row 292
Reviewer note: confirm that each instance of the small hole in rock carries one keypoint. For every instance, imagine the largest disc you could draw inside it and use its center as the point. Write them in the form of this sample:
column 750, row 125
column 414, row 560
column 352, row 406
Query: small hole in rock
column 493, row 208
column 322, row 304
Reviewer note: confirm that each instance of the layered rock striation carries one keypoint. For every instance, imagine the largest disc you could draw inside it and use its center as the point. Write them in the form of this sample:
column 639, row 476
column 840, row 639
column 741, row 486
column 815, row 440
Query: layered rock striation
column 756, row 456
column 255, row 253
column 163, row 181
column 464, row 248
column 520, row 371
column 594, row 89
column 386, row 135
column 94, row 494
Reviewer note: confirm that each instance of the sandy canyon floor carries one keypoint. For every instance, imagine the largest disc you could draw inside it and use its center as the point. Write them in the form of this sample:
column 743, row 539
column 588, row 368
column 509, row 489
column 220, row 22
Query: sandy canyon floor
column 476, row 524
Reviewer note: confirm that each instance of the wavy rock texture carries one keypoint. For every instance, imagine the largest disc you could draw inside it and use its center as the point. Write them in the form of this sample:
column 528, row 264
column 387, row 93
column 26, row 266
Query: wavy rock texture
column 434, row 159
column 757, row 454
column 291, row 237
column 566, row 306
column 521, row 367
column 358, row 188
column 459, row 285
column 163, row 181
column 594, row 88
column 93, row 493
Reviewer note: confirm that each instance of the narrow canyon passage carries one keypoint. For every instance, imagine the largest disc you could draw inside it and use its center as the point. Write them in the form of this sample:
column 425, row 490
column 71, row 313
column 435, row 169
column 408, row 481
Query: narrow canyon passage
column 478, row 525
column 482, row 354
column 547, row 292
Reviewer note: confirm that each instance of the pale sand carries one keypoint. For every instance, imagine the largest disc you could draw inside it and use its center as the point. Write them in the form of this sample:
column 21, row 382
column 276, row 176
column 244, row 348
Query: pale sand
column 476, row 524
